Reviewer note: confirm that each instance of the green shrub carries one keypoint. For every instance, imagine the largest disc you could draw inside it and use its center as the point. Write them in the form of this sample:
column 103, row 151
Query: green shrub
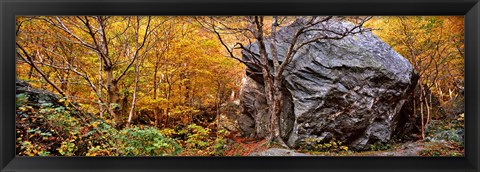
column 67, row 148
column 168, row 132
column 380, row 146
column 61, row 119
column 318, row 144
column 220, row 143
column 21, row 99
column 446, row 130
column 145, row 142
column 197, row 137
column 100, row 151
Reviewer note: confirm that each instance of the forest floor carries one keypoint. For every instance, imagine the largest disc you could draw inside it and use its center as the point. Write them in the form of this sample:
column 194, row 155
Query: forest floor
column 444, row 138
column 402, row 149
column 245, row 146
column 417, row 148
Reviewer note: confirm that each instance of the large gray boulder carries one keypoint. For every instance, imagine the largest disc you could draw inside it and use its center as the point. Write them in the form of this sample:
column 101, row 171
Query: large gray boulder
column 351, row 90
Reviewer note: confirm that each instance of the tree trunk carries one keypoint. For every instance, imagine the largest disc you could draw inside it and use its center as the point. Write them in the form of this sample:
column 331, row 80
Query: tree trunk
column 428, row 103
column 134, row 99
column 421, row 111
column 155, row 115
column 217, row 100
column 276, row 111
column 30, row 73
column 155, row 87
column 112, row 99
column 155, row 70
column 167, row 107
column 272, row 86
column 99, row 90
column 272, row 105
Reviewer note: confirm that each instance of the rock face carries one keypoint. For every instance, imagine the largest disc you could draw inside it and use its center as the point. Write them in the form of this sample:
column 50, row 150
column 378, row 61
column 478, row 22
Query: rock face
column 35, row 96
column 254, row 118
column 351, row 90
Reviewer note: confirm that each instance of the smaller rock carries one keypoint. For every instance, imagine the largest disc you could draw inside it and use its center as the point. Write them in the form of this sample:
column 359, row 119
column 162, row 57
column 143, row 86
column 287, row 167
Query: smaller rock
column 278, row 152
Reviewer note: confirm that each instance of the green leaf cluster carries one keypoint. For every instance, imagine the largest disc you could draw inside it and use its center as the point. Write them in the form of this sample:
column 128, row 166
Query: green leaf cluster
column 148, row 141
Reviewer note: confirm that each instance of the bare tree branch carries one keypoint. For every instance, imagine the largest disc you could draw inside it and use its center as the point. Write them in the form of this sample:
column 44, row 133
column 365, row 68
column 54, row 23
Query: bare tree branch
column 29, row 60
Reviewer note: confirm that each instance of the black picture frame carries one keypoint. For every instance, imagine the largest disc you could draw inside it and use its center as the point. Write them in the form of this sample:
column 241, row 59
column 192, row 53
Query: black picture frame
column 11, row 8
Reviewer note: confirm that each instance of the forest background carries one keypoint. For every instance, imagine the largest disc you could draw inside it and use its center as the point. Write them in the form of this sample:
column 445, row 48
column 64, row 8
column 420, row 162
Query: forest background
column 144, row 85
